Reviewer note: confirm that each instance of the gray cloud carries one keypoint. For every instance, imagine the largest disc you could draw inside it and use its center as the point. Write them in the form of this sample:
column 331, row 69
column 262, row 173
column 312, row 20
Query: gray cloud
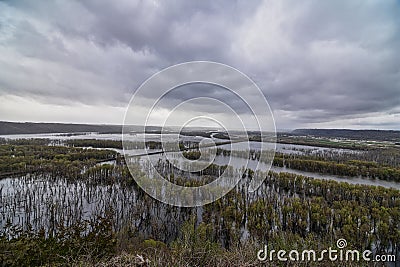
column 319, row 63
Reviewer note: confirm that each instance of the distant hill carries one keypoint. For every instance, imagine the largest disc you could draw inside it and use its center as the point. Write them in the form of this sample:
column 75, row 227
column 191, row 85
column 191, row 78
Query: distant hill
column 378, row 135
column 37, row 128
column 41, row 127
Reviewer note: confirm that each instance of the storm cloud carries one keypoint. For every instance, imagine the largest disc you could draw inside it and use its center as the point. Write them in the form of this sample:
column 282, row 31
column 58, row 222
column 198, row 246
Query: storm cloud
column 329, row 64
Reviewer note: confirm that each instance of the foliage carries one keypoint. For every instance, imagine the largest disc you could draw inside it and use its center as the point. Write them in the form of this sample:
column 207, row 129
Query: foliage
column 92, row 239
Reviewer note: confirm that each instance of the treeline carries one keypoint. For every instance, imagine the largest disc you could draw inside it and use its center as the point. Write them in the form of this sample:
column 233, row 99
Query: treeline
column 195, row 178
column 37, row 128
column 342, row 164
column 375, row 135
column 192, row 155
column 95, row 143
column 58, row 160
column 353, row 168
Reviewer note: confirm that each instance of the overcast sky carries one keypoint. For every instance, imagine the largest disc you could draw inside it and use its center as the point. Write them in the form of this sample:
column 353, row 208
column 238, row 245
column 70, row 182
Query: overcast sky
column 320, row 64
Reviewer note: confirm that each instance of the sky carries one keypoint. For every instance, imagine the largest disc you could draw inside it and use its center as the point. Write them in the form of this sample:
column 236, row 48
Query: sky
column 319, row 64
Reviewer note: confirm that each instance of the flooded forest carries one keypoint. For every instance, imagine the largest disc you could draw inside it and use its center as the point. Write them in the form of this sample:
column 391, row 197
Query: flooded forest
column 71, row 200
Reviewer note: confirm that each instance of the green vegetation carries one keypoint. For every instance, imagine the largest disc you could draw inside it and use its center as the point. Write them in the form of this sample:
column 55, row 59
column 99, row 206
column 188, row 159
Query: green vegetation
column 53, row 160
column 93, row 239
column 359, row 144
column 371, row 135
column 367, row 169
column 192, row 155
column 86, row 211
column 380, row 164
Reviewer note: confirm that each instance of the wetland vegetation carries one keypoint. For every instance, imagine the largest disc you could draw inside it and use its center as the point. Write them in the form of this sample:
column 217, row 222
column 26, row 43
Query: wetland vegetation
column 74, row 202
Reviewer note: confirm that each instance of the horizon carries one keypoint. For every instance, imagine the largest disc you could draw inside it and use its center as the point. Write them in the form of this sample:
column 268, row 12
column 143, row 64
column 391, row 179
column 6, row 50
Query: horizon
column 203, row 127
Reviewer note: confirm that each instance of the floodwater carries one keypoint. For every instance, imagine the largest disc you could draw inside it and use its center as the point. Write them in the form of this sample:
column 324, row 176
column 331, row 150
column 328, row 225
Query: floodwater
column 42, row 203
column 170, row 137
column 236, row 162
